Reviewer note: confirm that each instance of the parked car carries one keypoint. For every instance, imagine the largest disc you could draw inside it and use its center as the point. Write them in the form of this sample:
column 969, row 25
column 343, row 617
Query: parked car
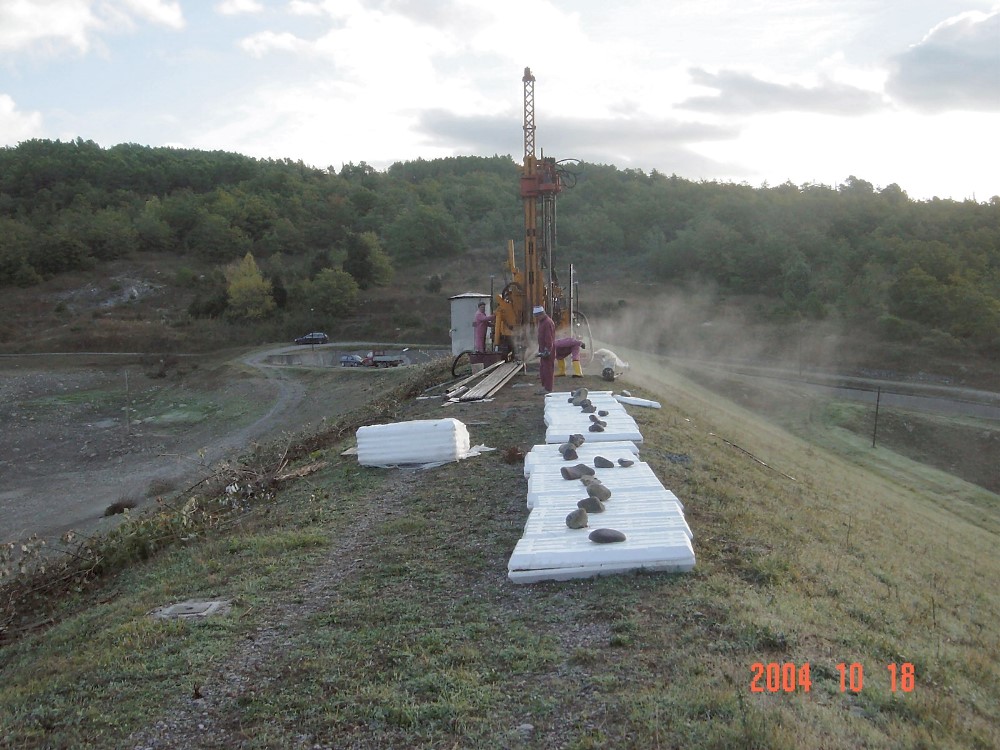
column 313, row 338
column 351, row 360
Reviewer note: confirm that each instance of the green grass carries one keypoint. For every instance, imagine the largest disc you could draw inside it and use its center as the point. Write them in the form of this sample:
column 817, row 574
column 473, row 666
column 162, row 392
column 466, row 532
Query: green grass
column 384, row 596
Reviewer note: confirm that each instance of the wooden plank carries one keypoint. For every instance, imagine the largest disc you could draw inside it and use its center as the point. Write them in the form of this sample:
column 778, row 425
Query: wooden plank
column 474, row 376
column 491, row 384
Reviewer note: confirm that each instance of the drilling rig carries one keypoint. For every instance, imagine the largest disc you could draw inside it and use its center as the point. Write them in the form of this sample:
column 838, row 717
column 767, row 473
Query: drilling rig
column 535, row 282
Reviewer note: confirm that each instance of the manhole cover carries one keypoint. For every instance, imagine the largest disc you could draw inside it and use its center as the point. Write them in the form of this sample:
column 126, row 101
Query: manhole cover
column 191, row 610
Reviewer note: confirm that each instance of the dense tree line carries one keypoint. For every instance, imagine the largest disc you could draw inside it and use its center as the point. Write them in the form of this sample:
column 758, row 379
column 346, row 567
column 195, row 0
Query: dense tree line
column 851, row 250
column 874, row 257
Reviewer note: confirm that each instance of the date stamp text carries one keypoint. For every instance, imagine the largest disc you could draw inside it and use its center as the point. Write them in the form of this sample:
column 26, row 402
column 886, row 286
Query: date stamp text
column 789, row 677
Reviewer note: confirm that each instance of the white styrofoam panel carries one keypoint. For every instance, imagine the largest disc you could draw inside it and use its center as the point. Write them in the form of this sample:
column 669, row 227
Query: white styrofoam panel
column 632, row 400
column 561, row 434
column 640, row 501
column 597, row 398
column 628, row 502
column 581, row 422
column 563, row 419
column 554, row 510
column 414, row 442
column 651, row 517
column 556, row 411
column 641, row 486
column 547, row 457
column 553, row 474
column 639, row 476
column 593, row 571
column 622, row 511
column 560, row 402
column 601, row 402
column 550, row 520
column 574, row 548
column 539, row 496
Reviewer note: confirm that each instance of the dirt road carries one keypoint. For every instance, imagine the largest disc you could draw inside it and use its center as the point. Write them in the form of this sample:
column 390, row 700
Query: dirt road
column 80, row 432
column 929, row 397
column 951, row 428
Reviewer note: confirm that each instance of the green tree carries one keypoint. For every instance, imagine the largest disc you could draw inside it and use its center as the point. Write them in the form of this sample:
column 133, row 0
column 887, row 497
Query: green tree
column 424, row 232
column 110, row 234
column 282, row 237
column 59, row 250
column 249, row 293
column 706, row 246
column 278, row 291
column 653, row 242
column 152, row 232
column 366, row 261
column 332, row 292
column 181, row 211
column 214, row 238
column 16, row 239
column 595, row 234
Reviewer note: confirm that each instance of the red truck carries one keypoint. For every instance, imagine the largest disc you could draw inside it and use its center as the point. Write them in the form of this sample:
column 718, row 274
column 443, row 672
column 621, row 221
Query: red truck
column 381, row 359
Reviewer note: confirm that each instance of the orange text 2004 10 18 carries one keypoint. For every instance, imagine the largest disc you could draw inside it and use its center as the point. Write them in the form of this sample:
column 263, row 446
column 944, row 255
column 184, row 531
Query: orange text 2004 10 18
column 789, row 677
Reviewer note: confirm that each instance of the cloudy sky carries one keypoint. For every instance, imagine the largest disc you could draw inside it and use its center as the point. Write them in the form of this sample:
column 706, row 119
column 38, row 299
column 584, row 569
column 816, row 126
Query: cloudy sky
column 754, row 91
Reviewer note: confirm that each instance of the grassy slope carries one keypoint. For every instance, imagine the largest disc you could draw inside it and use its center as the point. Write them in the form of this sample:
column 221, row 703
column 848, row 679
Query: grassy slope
column 865, row 560
column 372, row 610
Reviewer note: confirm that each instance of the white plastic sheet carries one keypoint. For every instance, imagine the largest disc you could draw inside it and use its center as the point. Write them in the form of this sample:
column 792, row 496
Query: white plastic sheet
column 420, row 442
column 635, row 401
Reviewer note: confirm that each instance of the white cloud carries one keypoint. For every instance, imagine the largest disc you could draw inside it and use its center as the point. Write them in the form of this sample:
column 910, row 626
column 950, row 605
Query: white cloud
column 335, row 9
column 53, row 24
column 236, row 7
column 304, row 8
column 386, row 61
column 261, row 44
column 465, row 55
column 17, row 126
column 332, row 122
column 919, row 153
column 157, row 11
column 956, row 66
column 742, row 93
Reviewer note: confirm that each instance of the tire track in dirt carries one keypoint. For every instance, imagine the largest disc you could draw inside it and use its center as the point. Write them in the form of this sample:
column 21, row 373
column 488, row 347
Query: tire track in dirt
column 63, row 467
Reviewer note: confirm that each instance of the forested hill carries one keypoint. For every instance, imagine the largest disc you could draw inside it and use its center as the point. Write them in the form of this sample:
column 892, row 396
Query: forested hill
column 281, row 234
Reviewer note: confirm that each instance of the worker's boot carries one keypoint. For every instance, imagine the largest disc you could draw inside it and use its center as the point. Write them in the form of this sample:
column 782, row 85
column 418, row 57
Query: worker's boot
column 560, row 368
column 577, row 371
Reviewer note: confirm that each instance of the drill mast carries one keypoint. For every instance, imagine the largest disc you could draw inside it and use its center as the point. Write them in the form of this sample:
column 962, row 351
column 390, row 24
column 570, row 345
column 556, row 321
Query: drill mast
column 535, row 283
column 540, row 184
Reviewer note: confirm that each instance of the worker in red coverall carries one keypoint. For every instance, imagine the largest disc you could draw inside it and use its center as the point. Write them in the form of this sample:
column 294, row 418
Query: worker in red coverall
column 564, row 348
column 481, row 323
column 546, row 347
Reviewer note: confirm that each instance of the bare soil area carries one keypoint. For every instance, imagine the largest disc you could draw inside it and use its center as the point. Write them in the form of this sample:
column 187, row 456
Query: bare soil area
column 79, row 432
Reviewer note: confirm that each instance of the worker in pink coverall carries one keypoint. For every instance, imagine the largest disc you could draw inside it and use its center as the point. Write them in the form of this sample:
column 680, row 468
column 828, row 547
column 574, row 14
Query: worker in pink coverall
column 564, row 348
column 481, row 323
column 546, row 347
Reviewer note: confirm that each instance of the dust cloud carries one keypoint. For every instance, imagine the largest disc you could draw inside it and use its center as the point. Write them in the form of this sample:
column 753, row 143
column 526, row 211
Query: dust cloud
column 699, row 324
